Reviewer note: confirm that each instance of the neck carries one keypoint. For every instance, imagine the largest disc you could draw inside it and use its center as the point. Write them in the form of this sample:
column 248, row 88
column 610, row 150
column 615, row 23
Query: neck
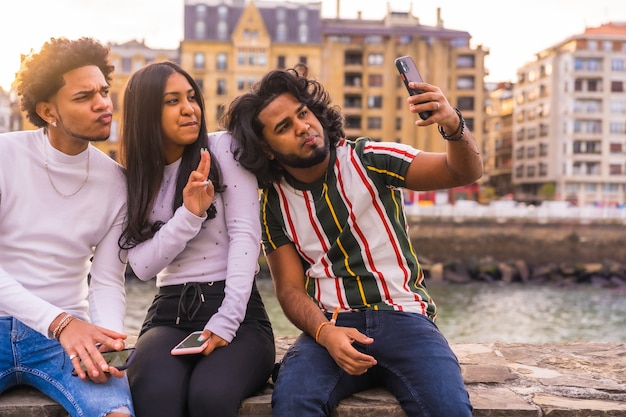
column 309, row 175
column 65, row 144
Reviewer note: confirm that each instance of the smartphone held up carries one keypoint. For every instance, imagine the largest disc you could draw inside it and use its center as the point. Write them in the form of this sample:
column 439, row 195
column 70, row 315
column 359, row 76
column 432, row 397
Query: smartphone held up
column 409, row 73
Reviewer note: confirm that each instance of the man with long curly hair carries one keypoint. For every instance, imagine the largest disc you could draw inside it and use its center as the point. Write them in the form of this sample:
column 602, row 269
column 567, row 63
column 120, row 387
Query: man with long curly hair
column 336, row 239
column 62, row 208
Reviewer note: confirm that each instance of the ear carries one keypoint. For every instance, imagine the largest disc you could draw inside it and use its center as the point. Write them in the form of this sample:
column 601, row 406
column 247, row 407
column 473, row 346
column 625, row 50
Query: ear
column 46, row 111
column 267, row 150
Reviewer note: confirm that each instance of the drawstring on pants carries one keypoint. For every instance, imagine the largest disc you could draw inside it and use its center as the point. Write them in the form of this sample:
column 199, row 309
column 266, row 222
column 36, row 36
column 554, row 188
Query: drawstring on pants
column 194, row 304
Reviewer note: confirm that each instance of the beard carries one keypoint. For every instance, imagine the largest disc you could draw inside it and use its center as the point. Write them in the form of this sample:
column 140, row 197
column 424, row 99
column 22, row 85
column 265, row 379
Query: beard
column 295, row 161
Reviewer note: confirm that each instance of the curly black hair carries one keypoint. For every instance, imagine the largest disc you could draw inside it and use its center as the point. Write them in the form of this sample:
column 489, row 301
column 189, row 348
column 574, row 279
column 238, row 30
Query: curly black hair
column 41, row 74
column 242, row 119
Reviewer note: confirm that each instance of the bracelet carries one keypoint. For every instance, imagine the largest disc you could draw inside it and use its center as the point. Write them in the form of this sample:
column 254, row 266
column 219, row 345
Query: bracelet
column 62, row 325
column 458, row 133
column 319, row 329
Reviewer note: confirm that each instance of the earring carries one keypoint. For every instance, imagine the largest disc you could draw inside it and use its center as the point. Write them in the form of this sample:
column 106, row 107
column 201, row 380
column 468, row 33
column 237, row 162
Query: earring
column 53, row 123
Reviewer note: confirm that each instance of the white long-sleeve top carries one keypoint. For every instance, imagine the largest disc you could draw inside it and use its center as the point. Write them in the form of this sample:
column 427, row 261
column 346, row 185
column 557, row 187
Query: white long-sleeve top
column 47, row 240
column 227, row 247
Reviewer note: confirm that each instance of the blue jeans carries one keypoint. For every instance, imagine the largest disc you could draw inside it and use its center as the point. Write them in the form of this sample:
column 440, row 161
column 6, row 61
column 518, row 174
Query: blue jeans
column 29, row 358
column 415, row 363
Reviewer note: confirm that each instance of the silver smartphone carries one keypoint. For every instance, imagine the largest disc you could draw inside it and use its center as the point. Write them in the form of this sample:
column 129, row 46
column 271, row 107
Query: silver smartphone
column 409, row 73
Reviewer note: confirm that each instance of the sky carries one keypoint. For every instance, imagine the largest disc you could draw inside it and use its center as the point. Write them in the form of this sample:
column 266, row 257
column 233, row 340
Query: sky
column 512, row 30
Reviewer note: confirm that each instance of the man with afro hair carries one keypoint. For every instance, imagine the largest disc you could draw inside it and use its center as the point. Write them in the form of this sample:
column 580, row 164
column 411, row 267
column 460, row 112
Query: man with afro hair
column 62, row 208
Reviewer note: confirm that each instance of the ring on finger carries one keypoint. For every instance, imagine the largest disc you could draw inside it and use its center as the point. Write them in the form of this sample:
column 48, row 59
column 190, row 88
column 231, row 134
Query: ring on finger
column 73, row 356
column 437, row 103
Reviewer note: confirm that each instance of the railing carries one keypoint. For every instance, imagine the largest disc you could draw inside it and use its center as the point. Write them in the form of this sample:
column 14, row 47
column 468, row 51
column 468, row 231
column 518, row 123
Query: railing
column 502, row 211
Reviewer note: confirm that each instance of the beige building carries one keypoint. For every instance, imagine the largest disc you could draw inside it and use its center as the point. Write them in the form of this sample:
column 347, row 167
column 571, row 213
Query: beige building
column 228, row 45
column 570, row 120
column 498, row 144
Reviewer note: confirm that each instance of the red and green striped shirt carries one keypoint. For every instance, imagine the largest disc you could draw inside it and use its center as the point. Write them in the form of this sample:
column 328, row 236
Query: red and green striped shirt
column 351, row 231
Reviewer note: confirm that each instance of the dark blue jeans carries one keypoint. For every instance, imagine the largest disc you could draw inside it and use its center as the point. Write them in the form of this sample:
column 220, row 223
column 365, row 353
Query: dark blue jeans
column 415, row 363
column 29, row 358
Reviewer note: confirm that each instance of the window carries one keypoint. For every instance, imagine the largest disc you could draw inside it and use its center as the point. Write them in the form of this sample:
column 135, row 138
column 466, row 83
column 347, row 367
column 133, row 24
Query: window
column 374, row 122
column 617, row 86
column 303, row 33
column 221, row 61
column 352, row 101
column 353, row 58
column 302, row 14
column 222, row 12
column 465, row 103
column 615, row 169
column 375, row 80
column 465, row 82
column 200, row 30
column 465, row 61
column 616, row 148
column 375, row 59
column 375, row 102
column 201, row 11
column 200, row 83
column 617, row 127
column 198, row 60
column 221, row 87
column 280, row 62
column 222, row 31
column 281, row 32
column 617, row 64
column 353, row 122
column 352, row 79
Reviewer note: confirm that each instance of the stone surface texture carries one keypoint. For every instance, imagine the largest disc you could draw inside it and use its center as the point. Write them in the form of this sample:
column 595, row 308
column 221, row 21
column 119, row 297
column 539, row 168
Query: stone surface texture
column 577, row 379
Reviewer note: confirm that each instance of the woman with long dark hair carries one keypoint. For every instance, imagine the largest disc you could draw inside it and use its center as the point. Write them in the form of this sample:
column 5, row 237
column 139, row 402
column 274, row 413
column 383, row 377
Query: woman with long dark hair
column 193, row 222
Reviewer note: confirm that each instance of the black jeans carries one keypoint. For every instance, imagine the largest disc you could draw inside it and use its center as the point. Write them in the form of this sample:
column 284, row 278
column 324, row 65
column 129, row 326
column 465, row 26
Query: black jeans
column 198, row 385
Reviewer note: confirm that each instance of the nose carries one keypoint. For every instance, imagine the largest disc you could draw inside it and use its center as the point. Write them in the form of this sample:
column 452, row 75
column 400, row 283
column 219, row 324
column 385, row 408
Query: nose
column 103, row 101
column 305, row 127
column 187, row 108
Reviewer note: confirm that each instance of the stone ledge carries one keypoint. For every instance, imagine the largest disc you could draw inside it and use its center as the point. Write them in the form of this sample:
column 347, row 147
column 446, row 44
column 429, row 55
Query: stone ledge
column 578, row 379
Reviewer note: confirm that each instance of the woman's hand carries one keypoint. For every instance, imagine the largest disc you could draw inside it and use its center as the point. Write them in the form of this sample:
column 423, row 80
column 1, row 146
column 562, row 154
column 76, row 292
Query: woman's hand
column 199, row 192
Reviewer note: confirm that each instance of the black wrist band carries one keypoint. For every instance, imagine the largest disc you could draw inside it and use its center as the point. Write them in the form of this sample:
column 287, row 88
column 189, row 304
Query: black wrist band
column 458, row 133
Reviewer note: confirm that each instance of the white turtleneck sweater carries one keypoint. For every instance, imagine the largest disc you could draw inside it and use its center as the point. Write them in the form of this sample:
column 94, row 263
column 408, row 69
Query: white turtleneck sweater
column 47, row 239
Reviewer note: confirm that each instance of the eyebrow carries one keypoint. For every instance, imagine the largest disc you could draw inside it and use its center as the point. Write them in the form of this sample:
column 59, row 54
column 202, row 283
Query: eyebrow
column 284, row 121
column 92, row 91
column 191, row 90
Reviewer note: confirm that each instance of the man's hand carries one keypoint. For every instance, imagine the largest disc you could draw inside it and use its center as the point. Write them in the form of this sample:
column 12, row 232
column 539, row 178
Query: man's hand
column 84, row 341
column 338, row 341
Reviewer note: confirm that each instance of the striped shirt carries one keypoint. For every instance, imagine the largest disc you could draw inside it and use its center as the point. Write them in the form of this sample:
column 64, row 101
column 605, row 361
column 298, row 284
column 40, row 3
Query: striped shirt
column 350, row 230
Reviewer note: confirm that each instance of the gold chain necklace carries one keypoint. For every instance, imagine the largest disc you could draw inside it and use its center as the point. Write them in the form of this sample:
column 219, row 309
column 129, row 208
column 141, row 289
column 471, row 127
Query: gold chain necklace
column 45, row 152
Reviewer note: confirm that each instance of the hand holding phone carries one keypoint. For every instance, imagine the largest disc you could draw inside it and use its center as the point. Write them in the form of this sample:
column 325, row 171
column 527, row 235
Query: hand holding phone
column 119, row 359
column 190, row 345
column 409, row 73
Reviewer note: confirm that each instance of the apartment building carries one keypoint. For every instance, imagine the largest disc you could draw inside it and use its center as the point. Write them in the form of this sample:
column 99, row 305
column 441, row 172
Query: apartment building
column 230, row 44
column 498, row 143
column 569, row 121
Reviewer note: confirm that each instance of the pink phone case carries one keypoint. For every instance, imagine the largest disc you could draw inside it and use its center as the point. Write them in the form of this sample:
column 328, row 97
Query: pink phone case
column 189, row 345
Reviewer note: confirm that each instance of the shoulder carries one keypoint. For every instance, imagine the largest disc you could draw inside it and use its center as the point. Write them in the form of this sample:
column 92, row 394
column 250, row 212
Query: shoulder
column 18, row 143
column 108, row 166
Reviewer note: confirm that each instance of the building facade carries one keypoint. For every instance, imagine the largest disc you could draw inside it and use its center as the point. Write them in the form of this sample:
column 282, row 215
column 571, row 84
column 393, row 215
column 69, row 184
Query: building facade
column 230, row 44
column 498, row 145
column 570, row 121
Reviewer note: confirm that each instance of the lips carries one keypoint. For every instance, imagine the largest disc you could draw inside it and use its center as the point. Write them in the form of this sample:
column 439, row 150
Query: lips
column 105, row 118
